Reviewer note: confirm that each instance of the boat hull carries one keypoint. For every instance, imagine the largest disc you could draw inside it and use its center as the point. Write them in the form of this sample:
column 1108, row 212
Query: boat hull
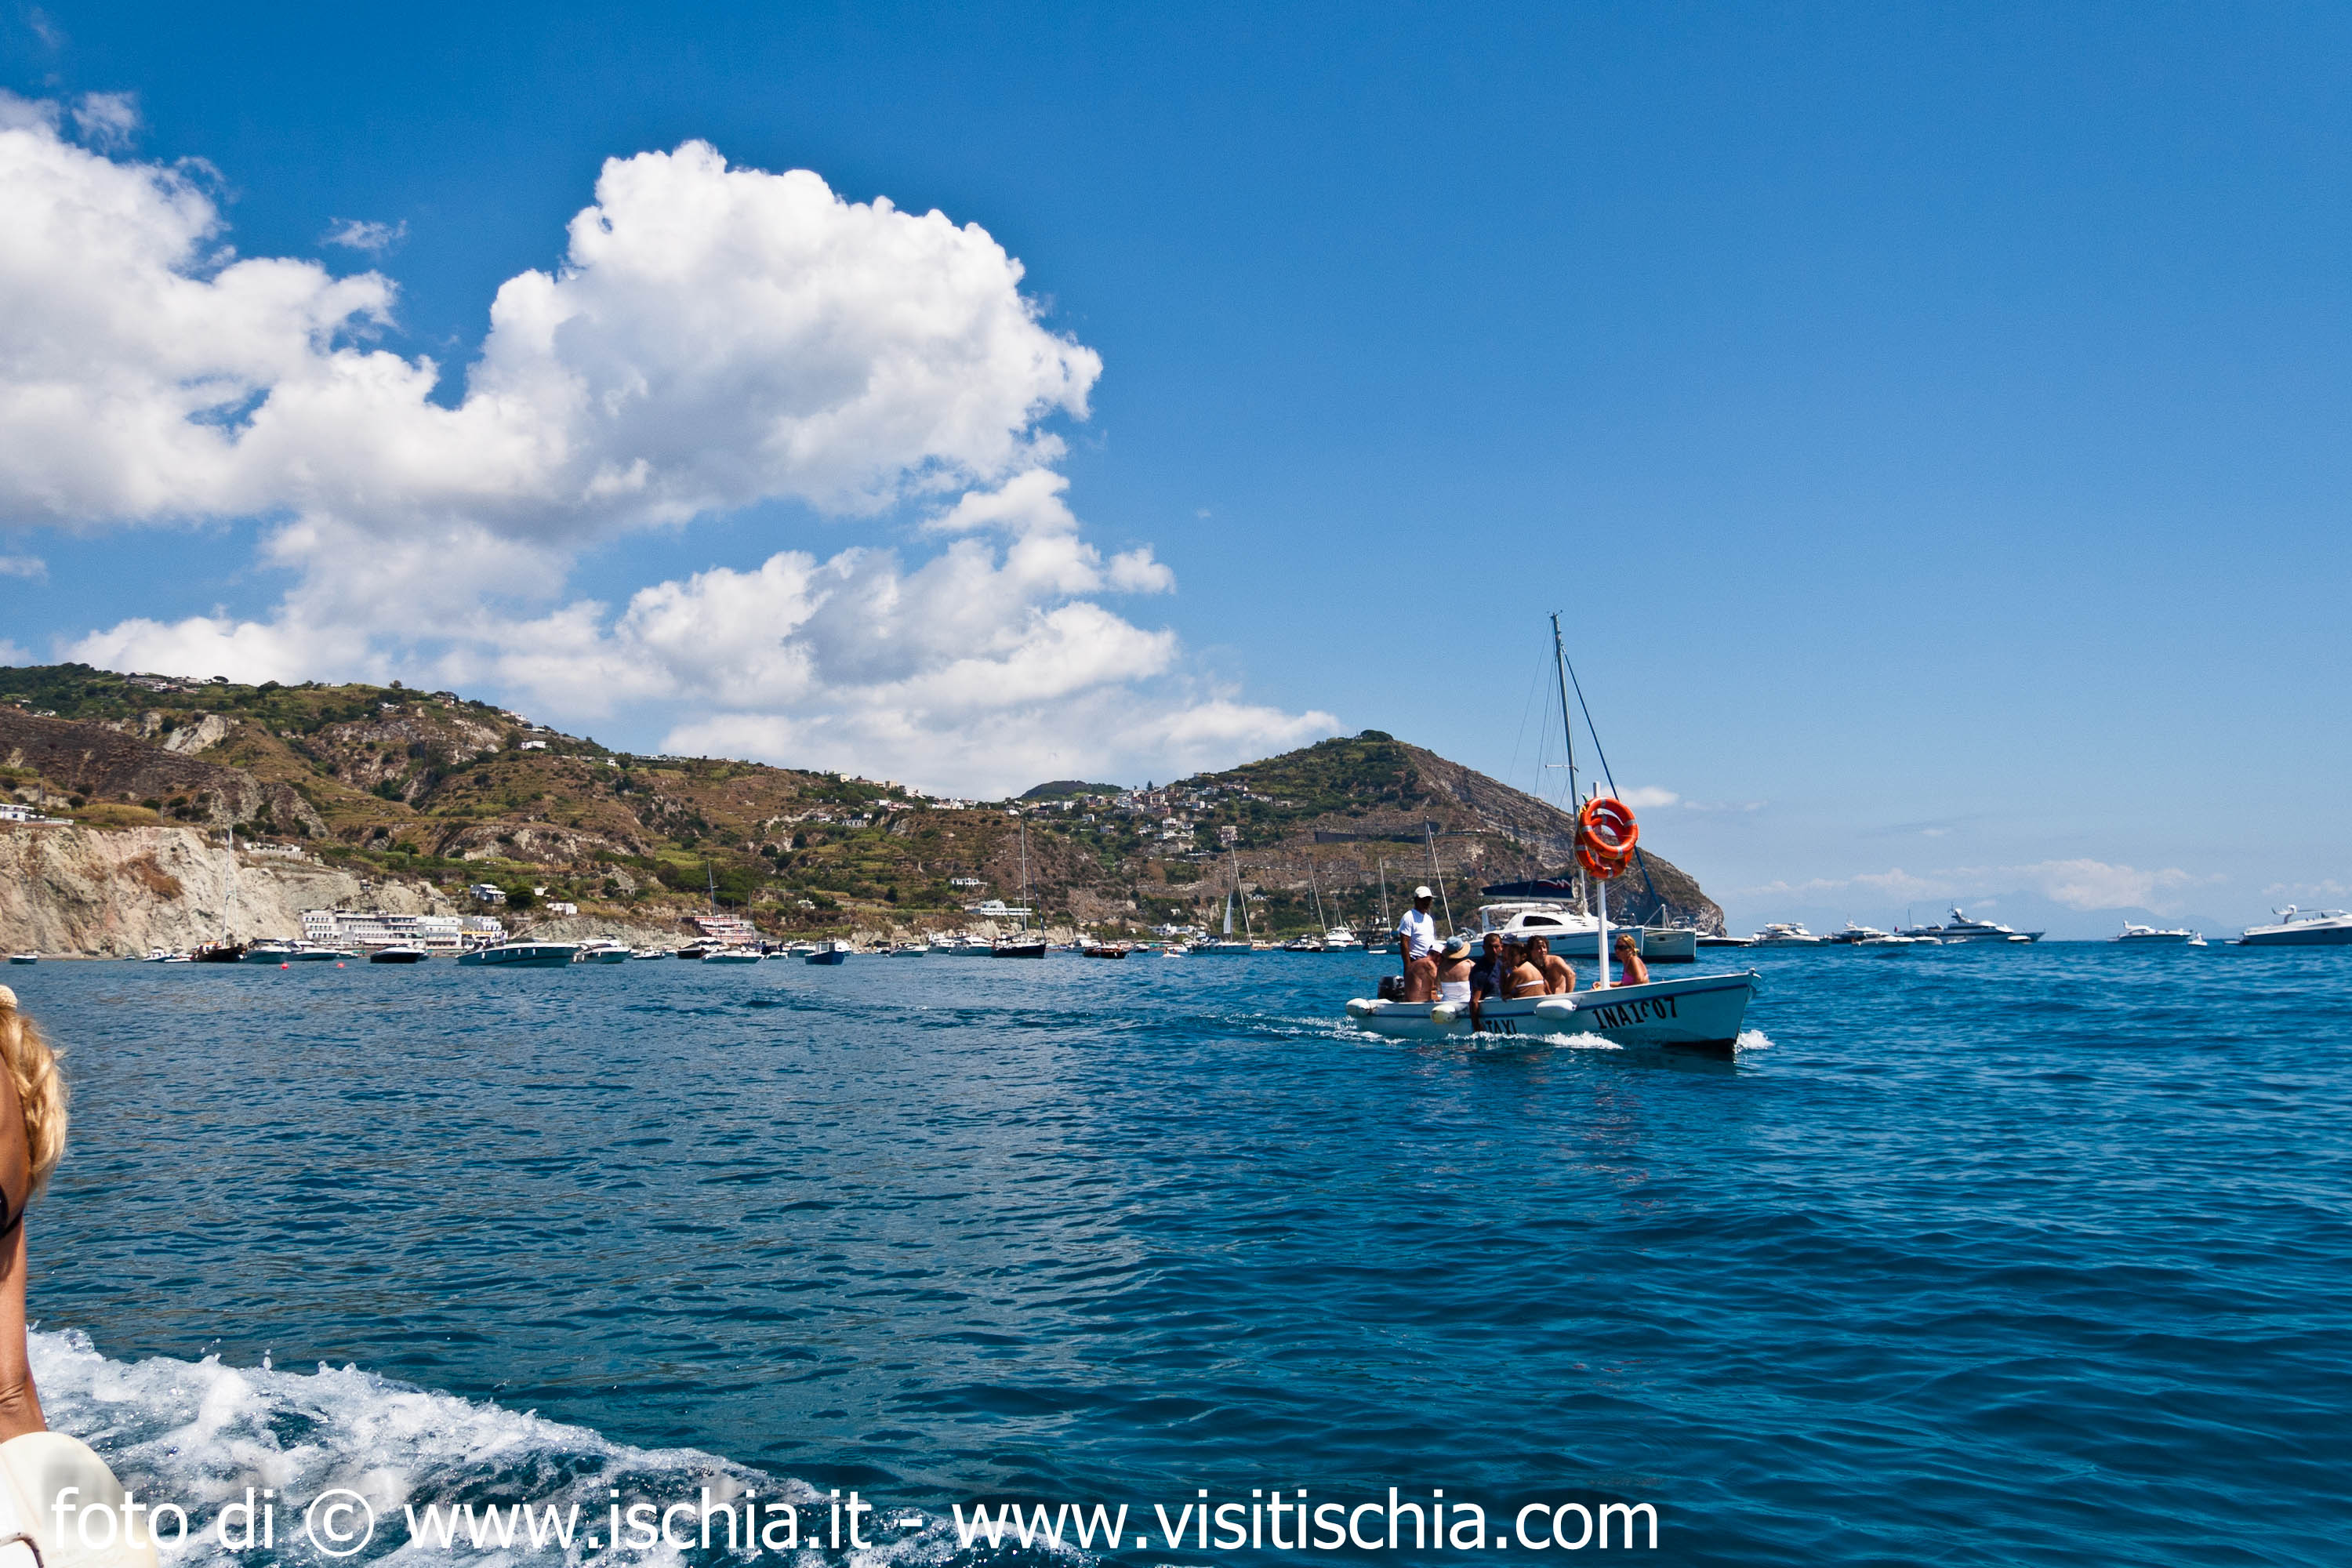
column 547, row 955
column 2331, row 935
column 1018, row 950
column 1703, row 1012
column 397, row 956
column 1671, row 946
column 732, row 956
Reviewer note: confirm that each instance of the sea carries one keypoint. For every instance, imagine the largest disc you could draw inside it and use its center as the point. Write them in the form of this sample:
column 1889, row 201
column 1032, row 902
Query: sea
column 1963, row 1256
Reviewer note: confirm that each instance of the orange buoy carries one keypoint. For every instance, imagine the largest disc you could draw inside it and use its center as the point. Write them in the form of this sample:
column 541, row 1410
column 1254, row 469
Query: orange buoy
column 1605, row 836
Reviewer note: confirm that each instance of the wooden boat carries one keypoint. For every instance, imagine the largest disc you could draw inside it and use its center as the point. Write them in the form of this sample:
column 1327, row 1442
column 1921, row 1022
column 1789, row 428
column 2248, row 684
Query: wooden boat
column 1104, row 950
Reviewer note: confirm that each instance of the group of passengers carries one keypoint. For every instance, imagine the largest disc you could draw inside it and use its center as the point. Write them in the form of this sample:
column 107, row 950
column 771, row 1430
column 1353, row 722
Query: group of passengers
column 1508, row 967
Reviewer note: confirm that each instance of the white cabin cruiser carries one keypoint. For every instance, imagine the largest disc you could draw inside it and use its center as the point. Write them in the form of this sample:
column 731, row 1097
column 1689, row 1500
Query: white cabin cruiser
column 603, row 949
column 1785, row 933
column 2301, row 928
column 2150, row 936
column 1960, row 928
column 1342, row 939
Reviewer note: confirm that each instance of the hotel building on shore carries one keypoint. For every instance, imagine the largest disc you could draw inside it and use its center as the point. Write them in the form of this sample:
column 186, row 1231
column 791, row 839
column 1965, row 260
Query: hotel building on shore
column 433, row 934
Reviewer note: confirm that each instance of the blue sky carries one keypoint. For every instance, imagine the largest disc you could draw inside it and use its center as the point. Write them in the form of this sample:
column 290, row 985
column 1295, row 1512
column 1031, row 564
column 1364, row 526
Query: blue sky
column 1929, row 420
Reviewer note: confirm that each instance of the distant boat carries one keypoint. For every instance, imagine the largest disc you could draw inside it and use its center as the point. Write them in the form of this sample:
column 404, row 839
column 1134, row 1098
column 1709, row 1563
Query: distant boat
column 269, row 952
column 1785, row 933
column 646, row 953
column 1104, row 950
column 605, row 950
column 907, row 950
column 1023, row 944
column 1342, row 939
column 1303, row 944
column 1960, row 928
column 829, row 952
column 732, row 956
column 2301, row 928
column 521, row 955
column 2150, row 936
column 397, row 956
column 24, row 958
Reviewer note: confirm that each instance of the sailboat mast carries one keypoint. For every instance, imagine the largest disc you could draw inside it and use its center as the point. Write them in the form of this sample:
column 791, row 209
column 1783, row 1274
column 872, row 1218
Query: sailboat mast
column 1567, row 733
column 1317, row 888
column 1024, row 876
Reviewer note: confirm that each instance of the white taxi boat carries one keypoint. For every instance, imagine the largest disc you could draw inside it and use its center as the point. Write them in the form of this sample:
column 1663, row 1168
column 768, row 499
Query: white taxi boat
column 1699, row 1012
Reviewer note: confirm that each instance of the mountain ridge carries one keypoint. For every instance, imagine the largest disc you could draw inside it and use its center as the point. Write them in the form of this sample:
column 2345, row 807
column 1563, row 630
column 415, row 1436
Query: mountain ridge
column 439, row 793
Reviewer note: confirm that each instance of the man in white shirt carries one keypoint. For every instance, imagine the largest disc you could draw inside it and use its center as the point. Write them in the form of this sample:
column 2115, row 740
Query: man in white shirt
column 1417, row 942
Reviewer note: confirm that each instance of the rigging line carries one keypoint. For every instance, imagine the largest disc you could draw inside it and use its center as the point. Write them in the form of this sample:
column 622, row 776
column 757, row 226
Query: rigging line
column 1639, row 858
column 1520, row 739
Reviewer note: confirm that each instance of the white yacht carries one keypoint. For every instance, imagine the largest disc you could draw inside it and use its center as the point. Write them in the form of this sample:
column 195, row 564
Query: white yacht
column 2148, row 936
column 1342, row 939
column 603, row 949
column 2301, row 928
column 1960, row 928
column 1785, row 933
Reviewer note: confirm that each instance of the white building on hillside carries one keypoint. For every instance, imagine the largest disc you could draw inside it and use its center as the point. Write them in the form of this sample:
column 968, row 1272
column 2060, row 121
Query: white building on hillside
column 433, row 934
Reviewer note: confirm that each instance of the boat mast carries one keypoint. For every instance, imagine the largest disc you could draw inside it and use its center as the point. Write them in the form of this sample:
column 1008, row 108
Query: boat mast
column 1247, row 929
column 1317, row 890
column 1024, row 876
column 1568, row 732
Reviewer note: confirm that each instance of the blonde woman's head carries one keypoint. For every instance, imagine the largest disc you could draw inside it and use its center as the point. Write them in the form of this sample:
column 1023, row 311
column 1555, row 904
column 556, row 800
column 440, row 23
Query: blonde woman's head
column 32, row 1068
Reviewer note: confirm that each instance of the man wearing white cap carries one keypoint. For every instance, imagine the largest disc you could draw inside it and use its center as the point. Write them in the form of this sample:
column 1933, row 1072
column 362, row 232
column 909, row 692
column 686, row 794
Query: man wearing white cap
column 1417, row 941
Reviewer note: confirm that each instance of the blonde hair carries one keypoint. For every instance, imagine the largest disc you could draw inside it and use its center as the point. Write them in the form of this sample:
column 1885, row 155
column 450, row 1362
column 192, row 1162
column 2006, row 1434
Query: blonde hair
column 40, row 1087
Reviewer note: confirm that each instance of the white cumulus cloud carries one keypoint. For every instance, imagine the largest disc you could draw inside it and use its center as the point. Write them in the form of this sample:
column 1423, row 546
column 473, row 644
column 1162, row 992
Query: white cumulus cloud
column 712, row 338
column 31, row 566
column 2077, row 884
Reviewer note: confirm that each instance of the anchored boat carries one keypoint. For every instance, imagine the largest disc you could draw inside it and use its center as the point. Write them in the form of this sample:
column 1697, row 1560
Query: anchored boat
column 2301, row 928
column 521, row 955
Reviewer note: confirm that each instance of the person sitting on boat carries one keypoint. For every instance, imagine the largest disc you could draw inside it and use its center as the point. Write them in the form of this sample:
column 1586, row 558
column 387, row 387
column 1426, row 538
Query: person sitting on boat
column 32, row 1141
column 1492, row 976
column 1631, row 970
column 1453, row 973
column 1558, row 977
column 1417, row 941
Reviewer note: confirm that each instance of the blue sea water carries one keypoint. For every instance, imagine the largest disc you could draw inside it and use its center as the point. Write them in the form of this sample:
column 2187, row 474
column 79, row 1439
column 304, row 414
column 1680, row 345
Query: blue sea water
column 1966, row 1257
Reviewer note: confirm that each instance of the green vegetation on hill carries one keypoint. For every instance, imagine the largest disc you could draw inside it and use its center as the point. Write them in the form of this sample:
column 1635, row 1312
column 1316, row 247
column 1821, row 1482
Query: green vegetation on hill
column 459, row 792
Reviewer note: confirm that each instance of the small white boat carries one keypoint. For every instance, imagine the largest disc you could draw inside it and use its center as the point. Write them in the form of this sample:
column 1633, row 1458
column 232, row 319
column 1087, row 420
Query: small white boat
column 909, row 950
column 828, row 952
column 641, row 953
column 272, row 951
column 1667, row 944
column 1785, row 933
column 733, row 955
column 1226, row 948
column 155, row 955
column 1302, row 944
column 2150, row 936
column 2301, row 928
column 1698, row 1012
column 1960, row 928
column 24, row 958
column 521, row 955
column 1887, row 941
column 1342, row 939
column 603, row 949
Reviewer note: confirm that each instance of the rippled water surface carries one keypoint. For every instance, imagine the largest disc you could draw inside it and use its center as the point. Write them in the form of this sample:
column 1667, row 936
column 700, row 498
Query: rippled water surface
column 1968, row 1256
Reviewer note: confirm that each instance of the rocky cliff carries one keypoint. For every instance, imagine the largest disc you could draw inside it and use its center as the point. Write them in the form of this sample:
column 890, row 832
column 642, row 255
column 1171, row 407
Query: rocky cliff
column 97, row 894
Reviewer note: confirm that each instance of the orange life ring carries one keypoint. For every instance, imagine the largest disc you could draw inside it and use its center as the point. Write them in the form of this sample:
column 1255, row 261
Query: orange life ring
column 1605, row 836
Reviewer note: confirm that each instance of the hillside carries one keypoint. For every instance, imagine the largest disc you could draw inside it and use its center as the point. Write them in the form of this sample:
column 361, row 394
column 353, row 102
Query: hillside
column 437, row 793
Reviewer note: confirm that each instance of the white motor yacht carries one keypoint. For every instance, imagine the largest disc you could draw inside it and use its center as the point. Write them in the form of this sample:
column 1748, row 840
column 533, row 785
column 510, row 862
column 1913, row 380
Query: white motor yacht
column 1784, row 933
column 603, row 949
column 2301, row 928
column 2150, row 936
column 1342, row 939
column 1960, row 928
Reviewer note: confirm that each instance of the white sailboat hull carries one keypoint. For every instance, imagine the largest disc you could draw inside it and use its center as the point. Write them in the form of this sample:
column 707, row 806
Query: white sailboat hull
column 1700, row 1011
column 1666, row 946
